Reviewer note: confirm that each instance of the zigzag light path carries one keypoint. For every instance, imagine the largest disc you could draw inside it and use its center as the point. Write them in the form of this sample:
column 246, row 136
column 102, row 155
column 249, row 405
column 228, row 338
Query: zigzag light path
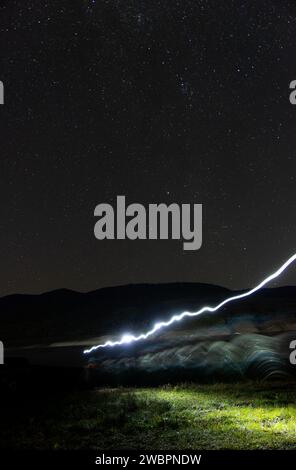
column 130, row 338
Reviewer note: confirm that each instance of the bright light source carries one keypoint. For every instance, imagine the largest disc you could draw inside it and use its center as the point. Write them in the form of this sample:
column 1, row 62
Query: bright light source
column 127, row 339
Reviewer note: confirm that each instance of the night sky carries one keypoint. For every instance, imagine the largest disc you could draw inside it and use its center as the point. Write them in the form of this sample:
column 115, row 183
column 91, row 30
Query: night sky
column 162, row 101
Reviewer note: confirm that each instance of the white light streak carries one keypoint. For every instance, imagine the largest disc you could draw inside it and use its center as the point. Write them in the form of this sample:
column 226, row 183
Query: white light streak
column 129, row 338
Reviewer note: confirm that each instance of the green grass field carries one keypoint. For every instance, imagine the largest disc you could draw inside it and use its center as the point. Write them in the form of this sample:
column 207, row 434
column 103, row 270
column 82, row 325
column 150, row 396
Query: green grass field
column 222, row 416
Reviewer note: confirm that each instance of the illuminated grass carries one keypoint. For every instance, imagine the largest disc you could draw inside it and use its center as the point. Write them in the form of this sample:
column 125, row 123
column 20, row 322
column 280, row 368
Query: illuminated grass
column 243, row 416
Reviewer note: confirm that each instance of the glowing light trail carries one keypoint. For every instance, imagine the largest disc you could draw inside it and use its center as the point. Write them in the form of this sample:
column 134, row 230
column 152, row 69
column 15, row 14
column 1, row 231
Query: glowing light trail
column 129, row 338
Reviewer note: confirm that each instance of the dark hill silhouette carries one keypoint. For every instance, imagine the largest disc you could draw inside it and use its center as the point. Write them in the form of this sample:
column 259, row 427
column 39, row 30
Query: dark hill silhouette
column 65, row 315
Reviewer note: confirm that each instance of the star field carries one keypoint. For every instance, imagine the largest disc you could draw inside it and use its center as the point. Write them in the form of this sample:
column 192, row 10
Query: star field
column 161, row 101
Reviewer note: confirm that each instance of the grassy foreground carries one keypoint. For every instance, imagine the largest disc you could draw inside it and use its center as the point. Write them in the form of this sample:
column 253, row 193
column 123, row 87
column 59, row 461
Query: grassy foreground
column 222, row 416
